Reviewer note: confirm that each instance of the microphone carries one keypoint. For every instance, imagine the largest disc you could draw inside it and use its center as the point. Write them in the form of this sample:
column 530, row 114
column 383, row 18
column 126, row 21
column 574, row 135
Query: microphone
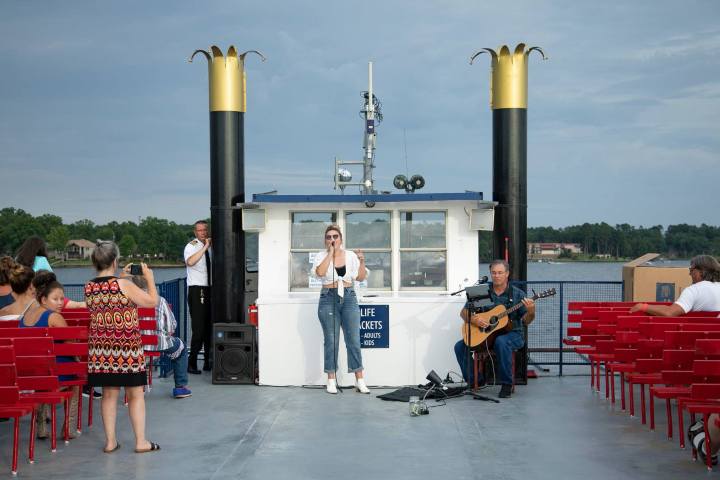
column 333, row 245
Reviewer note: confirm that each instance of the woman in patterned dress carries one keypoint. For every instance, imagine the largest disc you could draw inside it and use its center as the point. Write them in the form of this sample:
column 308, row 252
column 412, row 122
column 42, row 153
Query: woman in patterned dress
column 115, row 351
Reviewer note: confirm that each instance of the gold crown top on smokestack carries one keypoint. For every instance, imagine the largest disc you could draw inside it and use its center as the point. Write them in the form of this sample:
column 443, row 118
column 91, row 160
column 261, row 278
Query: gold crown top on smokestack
column 227, row 78
column 508, row 76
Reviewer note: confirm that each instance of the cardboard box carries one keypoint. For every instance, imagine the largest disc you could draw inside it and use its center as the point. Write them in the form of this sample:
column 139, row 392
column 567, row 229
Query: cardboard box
column 648, row 283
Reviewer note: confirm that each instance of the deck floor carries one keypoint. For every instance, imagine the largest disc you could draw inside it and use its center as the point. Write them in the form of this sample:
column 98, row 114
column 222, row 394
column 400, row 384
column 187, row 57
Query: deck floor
column 552, row 428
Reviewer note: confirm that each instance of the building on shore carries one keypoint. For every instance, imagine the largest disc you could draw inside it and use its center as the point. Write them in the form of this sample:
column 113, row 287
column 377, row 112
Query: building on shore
column 550, row 250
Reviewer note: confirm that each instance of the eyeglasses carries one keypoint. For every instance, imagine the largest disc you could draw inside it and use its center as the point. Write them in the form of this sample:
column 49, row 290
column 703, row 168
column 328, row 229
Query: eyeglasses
column 332, row 237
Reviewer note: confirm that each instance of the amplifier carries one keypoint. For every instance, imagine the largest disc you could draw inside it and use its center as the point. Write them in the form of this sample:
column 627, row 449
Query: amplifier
column 235, row 354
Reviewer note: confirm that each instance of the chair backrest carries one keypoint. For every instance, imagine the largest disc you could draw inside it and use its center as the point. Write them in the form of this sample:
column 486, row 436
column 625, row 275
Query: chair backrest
column 40, row 383
column 68, row 333
column 25, row 347
column 626, row 355
column 704, row 370
column 648, row 365
column 7, row 354
column 705, row 390
column 681, row 340
column 9, row 323
column 9, row 395
column 71, row 349
column 696, row 327
column 707, row 348
column 23, row 332
column 8, row 374
column 678, row 359
column 35, row 365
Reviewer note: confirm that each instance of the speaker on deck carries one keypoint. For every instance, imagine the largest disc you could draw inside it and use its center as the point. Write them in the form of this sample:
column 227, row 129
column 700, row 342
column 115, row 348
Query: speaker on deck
column 235, row 351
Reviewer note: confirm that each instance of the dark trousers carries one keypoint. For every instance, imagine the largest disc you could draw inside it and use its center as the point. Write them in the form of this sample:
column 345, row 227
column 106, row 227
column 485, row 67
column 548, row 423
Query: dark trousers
column 504, row 346
column 199, row 303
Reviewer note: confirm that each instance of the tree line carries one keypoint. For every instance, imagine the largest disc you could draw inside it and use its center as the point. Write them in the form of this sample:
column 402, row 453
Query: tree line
column 162, row 238
column 152, row 236
column 625, row 241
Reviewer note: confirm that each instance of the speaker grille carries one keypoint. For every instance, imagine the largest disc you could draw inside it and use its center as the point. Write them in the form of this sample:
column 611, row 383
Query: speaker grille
column 235, row 360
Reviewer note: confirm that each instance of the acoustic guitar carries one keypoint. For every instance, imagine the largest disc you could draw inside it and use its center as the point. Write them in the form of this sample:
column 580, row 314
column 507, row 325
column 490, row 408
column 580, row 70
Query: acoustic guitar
column 498, row 322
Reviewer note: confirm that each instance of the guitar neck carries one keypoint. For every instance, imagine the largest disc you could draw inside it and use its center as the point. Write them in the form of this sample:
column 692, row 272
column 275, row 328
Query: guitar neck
column 511, row 310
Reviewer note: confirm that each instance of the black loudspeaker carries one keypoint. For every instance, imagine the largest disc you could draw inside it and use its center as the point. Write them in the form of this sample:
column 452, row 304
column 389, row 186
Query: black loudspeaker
column 235, row 358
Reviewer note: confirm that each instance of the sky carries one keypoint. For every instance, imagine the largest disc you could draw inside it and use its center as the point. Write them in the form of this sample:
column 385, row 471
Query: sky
column 103, row 118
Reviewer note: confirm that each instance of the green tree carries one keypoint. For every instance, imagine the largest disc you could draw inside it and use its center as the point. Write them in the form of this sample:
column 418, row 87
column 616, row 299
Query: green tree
column 58, row 237
column 127, row 245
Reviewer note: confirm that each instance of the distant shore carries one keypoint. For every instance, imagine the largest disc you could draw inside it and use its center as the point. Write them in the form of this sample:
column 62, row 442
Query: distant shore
column 88, row 263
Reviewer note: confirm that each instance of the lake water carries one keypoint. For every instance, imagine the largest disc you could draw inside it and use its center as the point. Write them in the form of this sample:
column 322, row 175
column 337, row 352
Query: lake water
column 570, row 271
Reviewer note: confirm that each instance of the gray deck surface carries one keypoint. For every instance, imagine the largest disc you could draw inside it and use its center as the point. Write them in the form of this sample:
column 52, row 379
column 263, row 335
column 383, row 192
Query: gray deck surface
column 552, row 428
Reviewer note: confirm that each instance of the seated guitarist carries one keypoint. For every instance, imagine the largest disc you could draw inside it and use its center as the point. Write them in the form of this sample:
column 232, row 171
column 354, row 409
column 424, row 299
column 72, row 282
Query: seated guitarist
column 505, row 344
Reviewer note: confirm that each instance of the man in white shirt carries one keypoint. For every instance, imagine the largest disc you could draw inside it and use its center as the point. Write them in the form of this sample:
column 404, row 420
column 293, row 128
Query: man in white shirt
column 198, row 255
column 702, row 296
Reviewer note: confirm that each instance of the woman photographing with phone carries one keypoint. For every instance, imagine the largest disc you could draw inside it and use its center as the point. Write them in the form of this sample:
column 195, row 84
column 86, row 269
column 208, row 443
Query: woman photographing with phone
column 337, row 269
column 115, row 351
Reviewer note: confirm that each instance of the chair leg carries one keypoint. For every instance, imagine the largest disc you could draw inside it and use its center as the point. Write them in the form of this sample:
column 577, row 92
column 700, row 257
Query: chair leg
column 631, row 394
column 53, row 428
column 668, row 414
column 651, row 402
column 16, row 441
column 622, row 390
column 612, row 386
column 79, row 410
column 592, row 375
column 681, row 427
column 513, row 372
column 31, row 448
column 607, row 382
column 90, row 408
column 642, row 403
column 708, row 456
column 66, row 423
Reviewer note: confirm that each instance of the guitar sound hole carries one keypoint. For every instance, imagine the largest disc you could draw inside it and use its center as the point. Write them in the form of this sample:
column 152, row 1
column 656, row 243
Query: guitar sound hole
column 493, row 322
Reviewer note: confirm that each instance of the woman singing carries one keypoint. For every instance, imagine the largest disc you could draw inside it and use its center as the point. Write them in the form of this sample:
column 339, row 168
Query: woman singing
column 337, row 268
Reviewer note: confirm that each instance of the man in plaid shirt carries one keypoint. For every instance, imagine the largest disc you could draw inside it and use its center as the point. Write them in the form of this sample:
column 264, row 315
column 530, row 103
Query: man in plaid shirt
column 171, row 346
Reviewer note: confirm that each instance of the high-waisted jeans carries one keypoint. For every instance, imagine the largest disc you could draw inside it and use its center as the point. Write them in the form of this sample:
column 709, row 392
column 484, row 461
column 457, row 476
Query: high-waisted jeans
column 335, row 312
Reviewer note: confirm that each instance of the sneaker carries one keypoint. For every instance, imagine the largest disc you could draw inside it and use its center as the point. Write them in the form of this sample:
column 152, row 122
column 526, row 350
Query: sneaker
column 87, row 390
column 698, row 444
column 505, row 391
column 181, row 392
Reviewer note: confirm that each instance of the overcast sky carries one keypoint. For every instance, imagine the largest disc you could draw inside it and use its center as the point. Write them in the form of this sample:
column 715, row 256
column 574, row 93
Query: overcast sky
column 101, row 116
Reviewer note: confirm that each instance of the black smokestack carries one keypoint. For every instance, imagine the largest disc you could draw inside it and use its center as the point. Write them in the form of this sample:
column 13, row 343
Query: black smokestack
column 508, row 100
column 227, row 181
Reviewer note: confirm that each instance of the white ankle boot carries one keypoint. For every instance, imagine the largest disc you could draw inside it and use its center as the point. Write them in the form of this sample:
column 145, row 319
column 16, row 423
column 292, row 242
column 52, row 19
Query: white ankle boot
column 331, row 386
column 360, row 386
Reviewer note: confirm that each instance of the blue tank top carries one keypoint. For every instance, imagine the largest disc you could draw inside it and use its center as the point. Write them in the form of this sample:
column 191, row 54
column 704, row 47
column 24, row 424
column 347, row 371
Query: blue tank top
column 43, row 321
column 6, row 300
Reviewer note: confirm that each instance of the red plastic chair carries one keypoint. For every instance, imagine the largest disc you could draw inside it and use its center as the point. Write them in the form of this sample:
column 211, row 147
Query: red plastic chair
column 11, row 408
column 704, row 399
column 704, row 371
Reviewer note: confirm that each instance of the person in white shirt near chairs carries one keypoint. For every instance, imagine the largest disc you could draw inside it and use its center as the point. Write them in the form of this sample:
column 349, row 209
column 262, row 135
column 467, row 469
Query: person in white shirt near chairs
column 338, row 269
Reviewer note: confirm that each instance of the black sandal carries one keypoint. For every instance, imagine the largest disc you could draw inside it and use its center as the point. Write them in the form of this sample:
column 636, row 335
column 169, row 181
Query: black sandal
column 113, row 450
column 153, row 447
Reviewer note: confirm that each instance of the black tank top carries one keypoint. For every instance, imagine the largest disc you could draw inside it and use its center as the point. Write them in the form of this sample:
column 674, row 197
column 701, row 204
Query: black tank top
column 340, row 270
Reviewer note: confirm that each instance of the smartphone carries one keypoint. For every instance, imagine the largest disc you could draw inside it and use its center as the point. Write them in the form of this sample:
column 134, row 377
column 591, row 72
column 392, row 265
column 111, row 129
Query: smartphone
column 135, row 269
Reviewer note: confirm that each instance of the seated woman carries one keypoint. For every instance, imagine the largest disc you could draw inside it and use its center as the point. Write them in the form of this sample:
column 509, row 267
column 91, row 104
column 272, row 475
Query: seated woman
column 50, row 296
column 20, row 278
column 6, row 298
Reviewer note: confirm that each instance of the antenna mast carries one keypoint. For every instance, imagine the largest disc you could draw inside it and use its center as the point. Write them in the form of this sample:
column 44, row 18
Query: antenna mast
column 371, row 114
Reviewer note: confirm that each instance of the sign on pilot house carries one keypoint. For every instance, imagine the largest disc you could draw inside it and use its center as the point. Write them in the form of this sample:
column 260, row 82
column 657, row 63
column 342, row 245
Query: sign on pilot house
column 374, row 326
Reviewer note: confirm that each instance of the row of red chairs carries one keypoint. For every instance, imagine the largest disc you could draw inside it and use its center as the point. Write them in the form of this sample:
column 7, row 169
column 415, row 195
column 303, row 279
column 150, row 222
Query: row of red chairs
column 670, row 355
column 45, row 344
column 28, row 379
